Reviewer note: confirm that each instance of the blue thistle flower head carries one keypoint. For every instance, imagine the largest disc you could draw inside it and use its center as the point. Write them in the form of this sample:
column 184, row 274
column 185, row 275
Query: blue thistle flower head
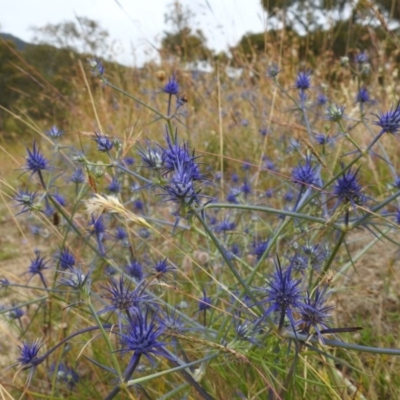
column 263, row 131
column 259, row 248
column 14, row 313
column 323, row 139
column 26, row 200
column 60, row 199
column 54, row 132
column 303, row 80
column 65, row 374
column 171, row 87
column 35, row 161
column 225, row 225
column 246, row 188
column 389, row 121
column 151, row 157
column 38, row 265
column 120, row 233
column 66, row 259
column 129, row 161
column 114, row 186
column 232, row 196
column 205, row 302
column 314, row 312
column 96, row 225
column 305, row 174
column 78, row 176
column 363, row 96
column 283, row 294
column 321, row 99
column 29, row 354
column 347, row 188
column 74, row 278
column 162, row 267
column 96, row 66
column 180, row 189
column 104, row 144
column 122, row 298
column 135, row 270
column 176, row 154
column 141, row 336
column 361, row 58
column 273, row 70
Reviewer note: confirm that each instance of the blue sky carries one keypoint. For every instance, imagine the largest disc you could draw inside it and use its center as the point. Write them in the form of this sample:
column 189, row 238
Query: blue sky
column 135, row 25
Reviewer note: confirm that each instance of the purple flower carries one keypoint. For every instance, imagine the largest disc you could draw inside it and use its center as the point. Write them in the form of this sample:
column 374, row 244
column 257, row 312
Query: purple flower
column 283, row 295
column 29, row 354
column 225, row 225
column 204, row 302
column 35, row 161
column 122, row 298
column 135, row 270
column 314, row 312
column 25, row 199
column 259, row 248
column 171, row 87
column 389, row 121
column 97, row 66
column 162, row 267
column 54, row 132
column 151, row 157
column 104, row 144
column 78, row 176
column 114, row 186
column 303, row 80
column 37, row 266
column 65, row 374
column 361, row 58
column 120, row 233
column 347, row 189
column 305, row 174
column 363, row 96
column 141, row 336
column 66, row 259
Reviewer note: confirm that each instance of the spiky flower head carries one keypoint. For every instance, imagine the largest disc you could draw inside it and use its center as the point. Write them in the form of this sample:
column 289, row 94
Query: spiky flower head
column 347, row 188
column 305, row 174
column 35, row 161
column 26, row 199
column 314, row 312
column 303, row 80
column 205, row 302
column 29, row 354
column 172, row 86
column 75, row 279
column 54, row 132
column 135, row 270
column 283, row 294
column 123, row 298
column 37, row 266
column 363, row 96
column 389, row 121
column 65, row 259
column 163, row 266
column 104, row 144
column 96, row 66
column 259, row 248
column 141, row 336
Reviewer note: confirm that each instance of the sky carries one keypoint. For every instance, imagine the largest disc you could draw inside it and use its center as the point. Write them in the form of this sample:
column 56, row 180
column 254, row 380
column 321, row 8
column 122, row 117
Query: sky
column 136, row 26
